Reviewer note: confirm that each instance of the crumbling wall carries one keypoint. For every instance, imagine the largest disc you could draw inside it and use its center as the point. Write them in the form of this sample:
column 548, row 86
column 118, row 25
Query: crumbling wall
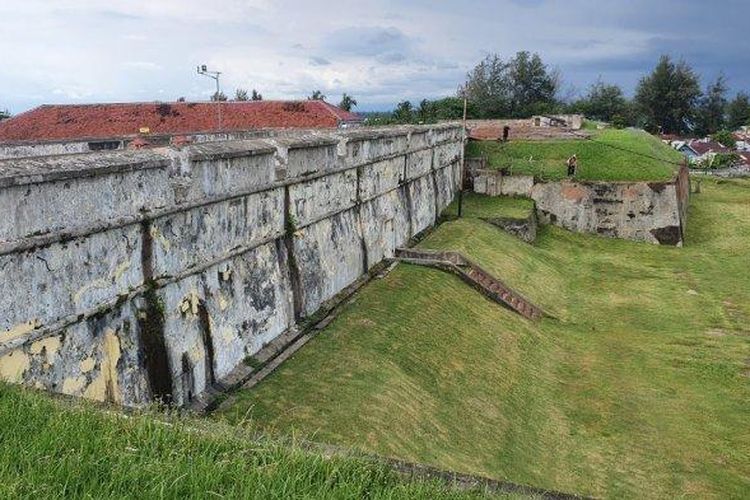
column 655, row 212
column 129, row 276
column 640, row 211
column 493, row 183
column 682, row 186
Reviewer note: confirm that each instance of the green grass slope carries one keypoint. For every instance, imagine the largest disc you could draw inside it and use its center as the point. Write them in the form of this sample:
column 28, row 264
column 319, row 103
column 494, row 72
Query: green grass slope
column 52, row 449
column 611, row 155
column 640, row 388
column 479, row 205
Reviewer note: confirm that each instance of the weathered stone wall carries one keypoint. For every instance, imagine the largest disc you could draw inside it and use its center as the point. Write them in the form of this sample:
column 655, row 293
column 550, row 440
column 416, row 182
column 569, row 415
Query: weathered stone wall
column 30, row 149
column 134, row 275
column 26, row 150
column 494, row 183
column 682, row 186
column 640, row 211
column 654, row 212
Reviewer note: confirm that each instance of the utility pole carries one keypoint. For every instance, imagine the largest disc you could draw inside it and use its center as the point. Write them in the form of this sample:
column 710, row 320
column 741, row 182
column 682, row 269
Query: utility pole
column 203, row 70
column 463, row 164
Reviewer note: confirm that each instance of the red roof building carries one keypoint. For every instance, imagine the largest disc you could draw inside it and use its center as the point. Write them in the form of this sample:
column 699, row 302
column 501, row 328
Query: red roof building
column 99, row 121
column 703, row 146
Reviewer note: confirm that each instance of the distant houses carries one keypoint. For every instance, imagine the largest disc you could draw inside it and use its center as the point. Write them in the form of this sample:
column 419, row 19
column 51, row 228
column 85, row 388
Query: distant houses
column 742, row 136
column 703, row 153
column 698, row 149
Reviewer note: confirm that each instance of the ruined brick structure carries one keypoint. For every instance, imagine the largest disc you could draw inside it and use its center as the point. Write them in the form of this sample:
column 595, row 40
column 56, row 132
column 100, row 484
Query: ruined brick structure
column 654, row 212
column 133, row 275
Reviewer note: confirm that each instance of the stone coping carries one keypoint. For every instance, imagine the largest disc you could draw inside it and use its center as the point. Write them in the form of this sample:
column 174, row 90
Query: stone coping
column 34, row 170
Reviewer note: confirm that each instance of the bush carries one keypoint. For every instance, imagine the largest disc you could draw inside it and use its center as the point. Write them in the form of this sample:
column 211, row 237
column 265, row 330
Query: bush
column 725, row 138
column 719, row 160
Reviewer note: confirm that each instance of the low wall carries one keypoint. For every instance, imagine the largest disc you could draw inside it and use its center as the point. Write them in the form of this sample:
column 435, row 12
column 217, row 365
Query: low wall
column 654, row 212
column 494, row 183
column 523, row 229
column 30, row 149
column 134, row 275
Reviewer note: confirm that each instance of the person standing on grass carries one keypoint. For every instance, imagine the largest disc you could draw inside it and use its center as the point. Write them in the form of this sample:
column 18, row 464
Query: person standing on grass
column 572, row 164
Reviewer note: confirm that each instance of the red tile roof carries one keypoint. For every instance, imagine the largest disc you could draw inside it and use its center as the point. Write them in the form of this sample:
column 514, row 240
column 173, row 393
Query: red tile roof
column 702, row 147
column 91, row 121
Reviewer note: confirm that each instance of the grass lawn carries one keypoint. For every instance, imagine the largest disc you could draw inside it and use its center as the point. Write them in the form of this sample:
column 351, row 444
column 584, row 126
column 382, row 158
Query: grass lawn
column 640, row 388
column 54, row 449
column 479, row 205
column 608, row 156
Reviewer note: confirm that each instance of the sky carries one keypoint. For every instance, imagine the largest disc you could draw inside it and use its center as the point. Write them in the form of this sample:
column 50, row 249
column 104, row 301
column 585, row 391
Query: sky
column 379, row 51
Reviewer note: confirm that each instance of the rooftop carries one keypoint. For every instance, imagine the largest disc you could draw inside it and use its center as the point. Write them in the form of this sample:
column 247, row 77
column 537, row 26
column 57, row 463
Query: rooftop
column 100, row 121
column 703, row 146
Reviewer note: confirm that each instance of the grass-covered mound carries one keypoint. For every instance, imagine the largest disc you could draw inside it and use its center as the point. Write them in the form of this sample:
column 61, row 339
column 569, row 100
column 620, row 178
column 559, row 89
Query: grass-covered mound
column 610, row 155
column 640, row 388
column 53, row 449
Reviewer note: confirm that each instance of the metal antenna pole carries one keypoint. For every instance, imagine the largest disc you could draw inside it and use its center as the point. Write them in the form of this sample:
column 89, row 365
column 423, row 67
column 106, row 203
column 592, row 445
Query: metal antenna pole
column 203, row 70
column 218, row 101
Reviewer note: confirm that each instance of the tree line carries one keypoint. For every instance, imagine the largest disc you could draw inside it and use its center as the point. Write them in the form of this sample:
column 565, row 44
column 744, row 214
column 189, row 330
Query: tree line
column 347, row 101
column 667, row 100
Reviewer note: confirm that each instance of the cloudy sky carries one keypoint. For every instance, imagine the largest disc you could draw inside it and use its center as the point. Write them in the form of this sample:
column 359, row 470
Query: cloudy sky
column 381, row 51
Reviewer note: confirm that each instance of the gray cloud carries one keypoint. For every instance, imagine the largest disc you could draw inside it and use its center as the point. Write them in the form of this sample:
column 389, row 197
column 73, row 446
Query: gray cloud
column 319, row 61
column 381, row 51
column 367, row 41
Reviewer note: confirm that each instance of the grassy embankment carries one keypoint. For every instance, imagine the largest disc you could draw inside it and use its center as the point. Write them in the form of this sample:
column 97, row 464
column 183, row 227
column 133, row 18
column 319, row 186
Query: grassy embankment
column 56, row 449
column 640, row 388
column 610, row 155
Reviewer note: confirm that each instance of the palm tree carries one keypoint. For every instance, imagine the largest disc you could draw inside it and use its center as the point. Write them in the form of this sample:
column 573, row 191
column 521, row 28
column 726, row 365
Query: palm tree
column 317, row 95
column 347, row 102
column 241, row 95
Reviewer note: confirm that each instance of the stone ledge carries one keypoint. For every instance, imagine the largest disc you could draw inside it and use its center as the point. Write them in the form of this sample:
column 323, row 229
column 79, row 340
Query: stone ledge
column 229, row 149
column 18, row 172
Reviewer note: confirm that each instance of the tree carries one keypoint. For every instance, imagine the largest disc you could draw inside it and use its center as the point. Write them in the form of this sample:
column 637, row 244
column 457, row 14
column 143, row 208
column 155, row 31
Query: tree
column 347, row 102
column 241, row 95
column 725, row 138
column 488, row 88
column 404, row 112
column 255, row 96
column 712, row 108
column 604, row 102
column 667, row 98
column 520, row 87
column 448, row 108
column 534, row 85
column 219, row 96
column 4, row 114
column 738, row 111
column 317, row 95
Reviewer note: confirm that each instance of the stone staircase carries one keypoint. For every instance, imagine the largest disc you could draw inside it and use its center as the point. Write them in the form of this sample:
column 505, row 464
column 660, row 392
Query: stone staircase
column 474, row 275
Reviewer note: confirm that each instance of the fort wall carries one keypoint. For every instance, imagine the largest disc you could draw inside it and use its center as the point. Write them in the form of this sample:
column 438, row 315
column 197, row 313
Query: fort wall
column 129, row 276
column 653, row 212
